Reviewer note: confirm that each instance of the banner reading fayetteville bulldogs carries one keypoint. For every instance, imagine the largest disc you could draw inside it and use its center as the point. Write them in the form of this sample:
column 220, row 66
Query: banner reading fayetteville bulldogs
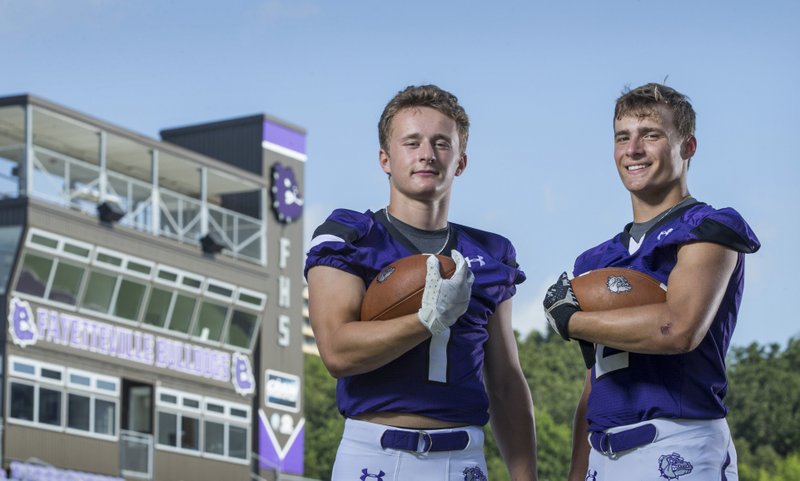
column 121, row 342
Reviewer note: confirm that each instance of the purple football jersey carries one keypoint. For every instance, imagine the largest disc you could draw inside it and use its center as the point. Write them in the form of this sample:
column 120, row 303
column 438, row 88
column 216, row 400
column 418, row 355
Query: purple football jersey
column 629, row 387
column 442, row 377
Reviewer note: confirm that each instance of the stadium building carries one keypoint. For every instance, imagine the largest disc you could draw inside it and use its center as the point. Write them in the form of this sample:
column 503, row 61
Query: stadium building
column 153, row 295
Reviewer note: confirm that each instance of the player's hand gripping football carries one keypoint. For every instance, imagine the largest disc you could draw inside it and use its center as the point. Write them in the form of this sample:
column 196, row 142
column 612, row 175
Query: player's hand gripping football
column 445, row 300
column 560, row 304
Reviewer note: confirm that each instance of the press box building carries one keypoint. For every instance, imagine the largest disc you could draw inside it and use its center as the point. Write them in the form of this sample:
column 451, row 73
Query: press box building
column 153, row 297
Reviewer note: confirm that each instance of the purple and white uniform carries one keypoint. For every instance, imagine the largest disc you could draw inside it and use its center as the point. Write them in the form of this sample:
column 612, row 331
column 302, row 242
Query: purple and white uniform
column 442, row 377
column 631, row 389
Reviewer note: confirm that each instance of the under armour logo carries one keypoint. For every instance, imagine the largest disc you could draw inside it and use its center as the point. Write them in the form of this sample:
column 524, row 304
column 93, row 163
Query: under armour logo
column 664, row 233
column 478, row 259
column 366, row 474
column 591, row 475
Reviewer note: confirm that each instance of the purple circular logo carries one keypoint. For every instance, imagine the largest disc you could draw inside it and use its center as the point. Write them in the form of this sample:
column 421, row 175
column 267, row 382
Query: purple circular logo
column 287, row 201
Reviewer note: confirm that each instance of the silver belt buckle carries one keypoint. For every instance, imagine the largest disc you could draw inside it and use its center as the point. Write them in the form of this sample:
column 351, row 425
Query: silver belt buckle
column 423, row 435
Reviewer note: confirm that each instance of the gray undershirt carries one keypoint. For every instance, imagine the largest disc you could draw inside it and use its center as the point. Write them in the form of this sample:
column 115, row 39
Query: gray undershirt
column 638, row 230
column 427, row 241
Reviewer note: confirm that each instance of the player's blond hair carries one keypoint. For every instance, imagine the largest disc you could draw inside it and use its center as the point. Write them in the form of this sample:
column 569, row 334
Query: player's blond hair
column 643, row 101
column 424, row 96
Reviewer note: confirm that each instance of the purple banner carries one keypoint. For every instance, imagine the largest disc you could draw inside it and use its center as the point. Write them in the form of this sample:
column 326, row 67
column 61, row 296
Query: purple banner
column 286, row 459
column 285, row 137
column 120, row 342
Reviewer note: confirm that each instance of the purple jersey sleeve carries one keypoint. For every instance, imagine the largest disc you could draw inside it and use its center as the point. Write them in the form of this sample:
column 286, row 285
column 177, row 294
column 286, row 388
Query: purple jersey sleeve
column 442, row 377
column 630, row 387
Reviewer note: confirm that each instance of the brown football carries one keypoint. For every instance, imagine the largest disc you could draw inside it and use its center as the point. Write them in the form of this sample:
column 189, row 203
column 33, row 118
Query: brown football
column 615, row 288
column 397, row 289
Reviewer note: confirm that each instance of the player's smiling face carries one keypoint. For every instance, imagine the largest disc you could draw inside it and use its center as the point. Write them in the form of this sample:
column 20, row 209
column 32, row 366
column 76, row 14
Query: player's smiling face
column 424, row 153
column 651, row 156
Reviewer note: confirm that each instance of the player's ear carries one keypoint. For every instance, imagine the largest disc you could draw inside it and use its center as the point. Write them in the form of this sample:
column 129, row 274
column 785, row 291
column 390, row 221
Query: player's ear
column 462, row 164
column 689, row 147
column 383, row 159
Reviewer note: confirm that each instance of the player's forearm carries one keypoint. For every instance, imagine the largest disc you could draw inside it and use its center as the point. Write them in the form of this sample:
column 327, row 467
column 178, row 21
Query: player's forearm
column 360, row 347
column 652, row 329
column 580, row 443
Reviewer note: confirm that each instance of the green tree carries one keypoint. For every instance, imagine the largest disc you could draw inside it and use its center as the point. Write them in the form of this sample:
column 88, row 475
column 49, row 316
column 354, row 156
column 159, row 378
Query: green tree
column 763, row 396
column 324, row 424
column 553, row 450
column 555, row 373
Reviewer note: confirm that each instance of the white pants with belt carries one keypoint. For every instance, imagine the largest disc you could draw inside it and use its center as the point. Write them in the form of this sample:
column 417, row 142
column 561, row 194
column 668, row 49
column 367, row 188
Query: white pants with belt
column 683, row 450
column 360, row 457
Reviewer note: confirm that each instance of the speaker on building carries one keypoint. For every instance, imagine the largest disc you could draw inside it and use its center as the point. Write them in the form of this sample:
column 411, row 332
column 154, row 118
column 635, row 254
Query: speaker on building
column 211, row 243
column 110, row 211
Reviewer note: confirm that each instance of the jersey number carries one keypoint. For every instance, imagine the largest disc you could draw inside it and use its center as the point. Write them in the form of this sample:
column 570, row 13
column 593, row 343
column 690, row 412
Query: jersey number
column 609, row 360
column 437, row 357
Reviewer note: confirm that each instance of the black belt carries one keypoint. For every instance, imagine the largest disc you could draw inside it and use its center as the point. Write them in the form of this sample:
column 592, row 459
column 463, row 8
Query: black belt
column 612, row 444
column 423, row 441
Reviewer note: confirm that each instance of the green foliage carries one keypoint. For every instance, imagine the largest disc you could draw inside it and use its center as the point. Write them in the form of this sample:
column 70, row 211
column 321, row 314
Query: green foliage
column 324, row 424
column 763, row 400
column 763, row 396
column 553, row 443
column 555, row 372
column 551, row 440
column 779, row 469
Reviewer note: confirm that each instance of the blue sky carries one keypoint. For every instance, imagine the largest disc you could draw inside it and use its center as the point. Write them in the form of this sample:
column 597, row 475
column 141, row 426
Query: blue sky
column 538, row 79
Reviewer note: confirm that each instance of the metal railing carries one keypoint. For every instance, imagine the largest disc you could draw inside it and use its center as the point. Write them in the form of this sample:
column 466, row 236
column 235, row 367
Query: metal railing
column 76, row 184
column 136, row 454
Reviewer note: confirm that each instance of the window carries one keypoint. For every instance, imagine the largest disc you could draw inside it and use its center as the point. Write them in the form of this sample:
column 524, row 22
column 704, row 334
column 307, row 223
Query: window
column 79, row 412
column 50, row 406
column 168, row 429
column 105, row 415
column 34, row 274
column 66, row 283
column 225, row 425
column 57, row 269
column 181, row 318
column 9, row 242
column 99, row 291
column 215, row 438
column 39, row 399
column 241, row 329
column 179, row 427
column 190, row 433
column 210, row 321
column 129, row 299
column 157, row 307
column 21, row 401
column 92, row 402
column 237, row 442
column 53, row 397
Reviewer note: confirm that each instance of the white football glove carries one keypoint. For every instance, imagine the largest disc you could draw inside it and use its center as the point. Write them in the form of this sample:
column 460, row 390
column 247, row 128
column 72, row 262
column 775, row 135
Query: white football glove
column 445, row 300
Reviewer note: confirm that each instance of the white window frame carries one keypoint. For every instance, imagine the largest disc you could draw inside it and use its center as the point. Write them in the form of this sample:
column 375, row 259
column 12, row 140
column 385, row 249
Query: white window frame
column 202, row 413
column 213, row 295
column 62, row 241
column 65, row 387
column 259, row 295
column 94, row 393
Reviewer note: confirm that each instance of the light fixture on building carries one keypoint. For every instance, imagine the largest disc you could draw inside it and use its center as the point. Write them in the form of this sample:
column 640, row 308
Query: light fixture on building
column 211, row 243
column 110, row 211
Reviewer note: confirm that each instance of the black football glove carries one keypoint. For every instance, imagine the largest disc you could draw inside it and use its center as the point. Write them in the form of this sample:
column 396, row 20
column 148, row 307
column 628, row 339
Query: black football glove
column 560, row 304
